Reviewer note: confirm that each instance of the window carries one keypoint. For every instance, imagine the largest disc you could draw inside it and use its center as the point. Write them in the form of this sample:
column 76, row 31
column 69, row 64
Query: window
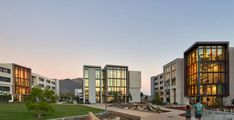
column 161, row 88
column 41, row 85
column 41, row 79
column 5, row 70
column 173, row 81
column 161, row 82
column 5, row 89
column 161, row 76
column 48, row 81
column 53, row 82
column 5, row 79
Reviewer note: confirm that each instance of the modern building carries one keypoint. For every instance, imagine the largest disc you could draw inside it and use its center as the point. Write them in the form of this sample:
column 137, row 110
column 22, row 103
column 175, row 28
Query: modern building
column 6, row 79
column 101, row 85
column 209, row 72
column 157, row 85
column 44, row 82
column 135, row 86
column 93, row 85
column 173, row 73
column 18, row 80
column 15, row 80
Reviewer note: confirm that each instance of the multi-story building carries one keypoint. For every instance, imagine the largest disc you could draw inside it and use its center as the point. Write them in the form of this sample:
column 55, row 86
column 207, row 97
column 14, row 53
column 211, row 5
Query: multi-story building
column 44, row 82
column 116, row 80
column 15, row 80
column 174, row 81
column 6, row 79
column 93, row 84
column 18, row 80
column 157, row 85
column 101, row 85
column 209, row 72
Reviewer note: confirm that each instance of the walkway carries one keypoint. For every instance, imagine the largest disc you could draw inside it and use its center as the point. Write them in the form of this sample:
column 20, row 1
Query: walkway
column 173, row 115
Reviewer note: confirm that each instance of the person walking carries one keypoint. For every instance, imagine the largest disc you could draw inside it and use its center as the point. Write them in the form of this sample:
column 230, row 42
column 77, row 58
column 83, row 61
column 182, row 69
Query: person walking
column 188, row 112
column 199, row 109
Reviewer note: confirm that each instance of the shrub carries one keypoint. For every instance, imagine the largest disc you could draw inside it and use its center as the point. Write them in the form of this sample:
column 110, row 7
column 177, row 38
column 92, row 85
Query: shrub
column 39, row 101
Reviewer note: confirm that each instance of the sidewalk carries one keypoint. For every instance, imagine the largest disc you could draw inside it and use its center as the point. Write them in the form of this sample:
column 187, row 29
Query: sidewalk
column 172, row 115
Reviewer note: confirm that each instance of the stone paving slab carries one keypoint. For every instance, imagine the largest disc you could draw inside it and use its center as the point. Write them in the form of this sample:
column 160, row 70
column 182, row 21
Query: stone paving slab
column 172, row 115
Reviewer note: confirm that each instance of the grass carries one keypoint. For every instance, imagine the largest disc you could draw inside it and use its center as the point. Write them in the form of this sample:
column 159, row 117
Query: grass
column 20, row 112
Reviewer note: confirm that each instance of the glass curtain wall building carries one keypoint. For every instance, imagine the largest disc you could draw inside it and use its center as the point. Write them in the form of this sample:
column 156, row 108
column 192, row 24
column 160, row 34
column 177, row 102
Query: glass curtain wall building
column 116, row 82
column 206, row 74
column 22, row 77
column 93, row 86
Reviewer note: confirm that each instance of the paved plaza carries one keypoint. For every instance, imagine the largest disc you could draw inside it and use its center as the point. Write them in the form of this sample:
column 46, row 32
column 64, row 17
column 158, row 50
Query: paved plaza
column 172, row 115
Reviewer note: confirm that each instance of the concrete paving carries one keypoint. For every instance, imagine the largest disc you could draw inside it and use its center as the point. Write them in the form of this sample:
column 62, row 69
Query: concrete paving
column 172, row 115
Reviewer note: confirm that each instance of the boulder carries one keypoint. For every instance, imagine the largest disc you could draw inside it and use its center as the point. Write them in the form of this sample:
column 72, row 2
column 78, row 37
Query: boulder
column 117, row 118
column 91, row 116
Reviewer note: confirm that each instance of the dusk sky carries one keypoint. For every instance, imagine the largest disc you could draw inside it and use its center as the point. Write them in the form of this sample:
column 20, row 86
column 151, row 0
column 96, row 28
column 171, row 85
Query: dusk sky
column 56, row 38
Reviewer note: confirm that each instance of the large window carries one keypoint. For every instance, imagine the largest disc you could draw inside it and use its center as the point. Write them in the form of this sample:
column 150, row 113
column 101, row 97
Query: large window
column 5, row 79
column 116, row 81
column 5, row 70
column 208, row 63
column 22, row 82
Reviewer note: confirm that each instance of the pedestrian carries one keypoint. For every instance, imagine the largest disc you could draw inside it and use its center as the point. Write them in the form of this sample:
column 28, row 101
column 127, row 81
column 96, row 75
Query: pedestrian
column 199, row 109
column 188, row 112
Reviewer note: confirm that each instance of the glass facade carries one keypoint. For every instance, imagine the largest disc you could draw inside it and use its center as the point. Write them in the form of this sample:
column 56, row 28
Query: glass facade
column 206, row 74
column 115, row 81
column 98, row 83
column 22, row 78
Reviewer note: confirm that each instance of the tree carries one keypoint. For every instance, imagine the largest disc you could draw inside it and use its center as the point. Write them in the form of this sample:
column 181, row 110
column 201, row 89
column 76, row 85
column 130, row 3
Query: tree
column 142, row 94
column 50, row 96
column 130, row 96
column 5, row 97
column 157, row 100
column 146, row 97
column 232, row 101
column 39, row 101
column 115, row 96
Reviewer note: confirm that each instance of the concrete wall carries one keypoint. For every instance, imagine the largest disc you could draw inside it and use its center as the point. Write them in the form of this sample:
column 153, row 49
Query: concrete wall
column 7, row 75
column 157, row 79
column 135, row 85
column 227, row 100
column 92, row 85
column 179, row 87
column 36, row 82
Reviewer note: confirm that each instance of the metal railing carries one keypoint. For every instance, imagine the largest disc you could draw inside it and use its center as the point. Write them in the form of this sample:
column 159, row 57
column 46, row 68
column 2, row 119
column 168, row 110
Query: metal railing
column 217, row 115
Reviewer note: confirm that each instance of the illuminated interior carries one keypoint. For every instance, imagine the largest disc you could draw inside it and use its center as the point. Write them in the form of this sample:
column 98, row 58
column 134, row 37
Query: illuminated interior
column 22, row 83
column 116, row 82
column 98, row 84
column 207, row 62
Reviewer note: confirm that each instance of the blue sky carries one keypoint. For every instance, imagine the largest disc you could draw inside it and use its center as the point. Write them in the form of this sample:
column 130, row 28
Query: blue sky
column 56, row 38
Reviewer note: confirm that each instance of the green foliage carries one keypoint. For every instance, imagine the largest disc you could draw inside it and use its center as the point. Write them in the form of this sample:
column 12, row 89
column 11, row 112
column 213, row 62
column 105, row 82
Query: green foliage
column 39, row 101
column 130, row 96
column 142, row 94
column 146, row 97
column 115, row 96
column 5, row 98
column 232, row 101
column 157, row 100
